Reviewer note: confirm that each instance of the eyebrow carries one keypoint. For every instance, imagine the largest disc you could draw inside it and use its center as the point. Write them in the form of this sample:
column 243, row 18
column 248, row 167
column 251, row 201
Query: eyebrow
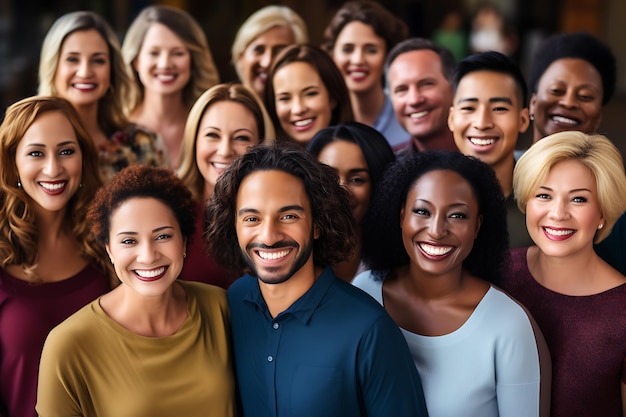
column 41, row 145
column 491, row 100
column 357, row 170
column 158, row 229
column 575, row 190
column 293, row 207
column 450, row 206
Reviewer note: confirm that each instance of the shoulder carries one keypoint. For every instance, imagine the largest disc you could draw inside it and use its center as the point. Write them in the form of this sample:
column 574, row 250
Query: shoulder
column 79, row 326
column 209, row 297
column 370, row 282
column 505, row 315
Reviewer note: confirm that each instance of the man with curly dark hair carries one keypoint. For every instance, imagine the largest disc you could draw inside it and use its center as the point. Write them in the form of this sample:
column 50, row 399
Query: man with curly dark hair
column 305, row 342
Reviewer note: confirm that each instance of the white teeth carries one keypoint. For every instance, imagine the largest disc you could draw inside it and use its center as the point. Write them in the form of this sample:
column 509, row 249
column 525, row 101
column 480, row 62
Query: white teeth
column 82, row 86
column 150, row 273
column 165, row 77
column 565, row 120
column 482, row 142
column 262, row 76
column 558, row 232
column 274, row 255
column 435, row 250
column 52, row 186
column 358, row 74
column 418, row 115
column 301, row 123
column 220, row 165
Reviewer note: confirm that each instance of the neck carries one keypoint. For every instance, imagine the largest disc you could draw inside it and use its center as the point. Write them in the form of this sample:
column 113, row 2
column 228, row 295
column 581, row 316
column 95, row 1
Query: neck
column 567, row 274
column 504, row 174
column 279, row 297
column 427, row 287
column 367, row 105
column 440, row 140
column 160, row 109
column 50, row 225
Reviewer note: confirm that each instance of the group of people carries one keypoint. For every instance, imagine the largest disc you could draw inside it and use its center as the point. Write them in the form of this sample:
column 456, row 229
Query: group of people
column 350, row 229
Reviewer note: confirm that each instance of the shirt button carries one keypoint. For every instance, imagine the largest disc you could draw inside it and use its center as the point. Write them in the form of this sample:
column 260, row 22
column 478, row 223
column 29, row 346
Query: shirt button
column 275, row 326
column 270, row 358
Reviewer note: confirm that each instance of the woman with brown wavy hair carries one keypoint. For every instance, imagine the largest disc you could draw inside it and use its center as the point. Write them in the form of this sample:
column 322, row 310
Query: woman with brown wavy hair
column 50, row 265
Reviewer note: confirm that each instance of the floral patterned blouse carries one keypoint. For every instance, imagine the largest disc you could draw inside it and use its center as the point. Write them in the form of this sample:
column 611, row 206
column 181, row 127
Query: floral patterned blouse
column 133, row 145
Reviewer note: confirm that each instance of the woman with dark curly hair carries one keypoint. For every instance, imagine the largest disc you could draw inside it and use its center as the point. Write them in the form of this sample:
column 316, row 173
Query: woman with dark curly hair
column 305, row 92
column 154, row 345
column 358, row 39
column 436, row 276
column 51, row 265
column 359, row 154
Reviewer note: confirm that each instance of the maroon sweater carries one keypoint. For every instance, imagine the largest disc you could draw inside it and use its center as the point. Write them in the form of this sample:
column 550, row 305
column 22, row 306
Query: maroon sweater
column 27, row 314
column 586, row 336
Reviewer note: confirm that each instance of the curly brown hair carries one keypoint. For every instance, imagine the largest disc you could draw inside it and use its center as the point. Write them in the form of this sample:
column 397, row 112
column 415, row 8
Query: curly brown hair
column 18, row 227
column 329, row 203
column 142, row 181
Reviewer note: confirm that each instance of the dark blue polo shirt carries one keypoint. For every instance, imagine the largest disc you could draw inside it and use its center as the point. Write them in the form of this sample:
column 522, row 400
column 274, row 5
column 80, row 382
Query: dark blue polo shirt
column 334, row 352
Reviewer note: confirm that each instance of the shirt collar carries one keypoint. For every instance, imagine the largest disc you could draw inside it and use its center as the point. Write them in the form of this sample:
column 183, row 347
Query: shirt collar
column 304, row 307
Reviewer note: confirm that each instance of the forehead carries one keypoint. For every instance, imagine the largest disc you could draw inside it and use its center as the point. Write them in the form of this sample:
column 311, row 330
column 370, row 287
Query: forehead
column 138, row 212
column 276, row 35
column 358, row 32
column 89, row 40
column 574, row 70
column 158, row 34
column 418, row 64
column 295, row 75
column 487, row 84
column 49, row 128
column 443, row 185
column 269, row 191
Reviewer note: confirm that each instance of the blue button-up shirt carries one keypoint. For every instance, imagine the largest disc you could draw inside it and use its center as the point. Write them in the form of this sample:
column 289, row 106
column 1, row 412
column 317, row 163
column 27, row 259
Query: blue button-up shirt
column 334, row 352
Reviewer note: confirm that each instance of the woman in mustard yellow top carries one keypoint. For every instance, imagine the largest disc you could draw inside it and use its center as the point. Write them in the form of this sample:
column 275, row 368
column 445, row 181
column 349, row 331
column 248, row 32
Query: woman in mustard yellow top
column 154, row 346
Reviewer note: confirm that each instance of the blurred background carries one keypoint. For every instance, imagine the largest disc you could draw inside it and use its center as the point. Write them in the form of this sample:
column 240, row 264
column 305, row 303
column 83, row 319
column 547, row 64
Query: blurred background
column 23, row 25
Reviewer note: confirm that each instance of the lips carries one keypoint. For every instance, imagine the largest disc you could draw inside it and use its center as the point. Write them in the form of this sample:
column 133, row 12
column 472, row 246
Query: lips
column 53, row 187
column 358, row 75
column 85, row 86
column 435, row 252
column 419, row 115
column 220, row 166
column 564, row 121
column 558, row 233
column 150, row 274
column 303, row 124
column 273, row 255
column 166, row 78
column 482, row 141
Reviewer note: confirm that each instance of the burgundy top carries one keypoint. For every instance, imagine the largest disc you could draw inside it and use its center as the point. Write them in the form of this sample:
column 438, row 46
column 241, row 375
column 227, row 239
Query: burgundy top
column 586, row 336
column 199, row 265
column 27, row 313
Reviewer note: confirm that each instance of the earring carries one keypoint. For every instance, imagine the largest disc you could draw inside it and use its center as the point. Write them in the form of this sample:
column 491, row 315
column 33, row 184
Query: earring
column 19, row 184
column 185, row 255
column 532, row 117
column 600, row 226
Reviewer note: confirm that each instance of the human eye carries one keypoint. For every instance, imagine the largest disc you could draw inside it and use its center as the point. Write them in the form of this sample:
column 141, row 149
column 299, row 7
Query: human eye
column 35, row 154
column 283, row 98
column 258, row 50
column 290, row 217
column 373, row 50
column 458, row 215
column 242, row 138
column 72, row 59
column 128, row 241
column 467, row 108
column 250, row 219
column 579, row 199
column 162, row 236
column 67, row 151
column 400, row 89
column 358, row 180
column 421, row 211
column 542, row 196
column 212, row 135
column 347, row 48
column 586, row 96
column 312, row 93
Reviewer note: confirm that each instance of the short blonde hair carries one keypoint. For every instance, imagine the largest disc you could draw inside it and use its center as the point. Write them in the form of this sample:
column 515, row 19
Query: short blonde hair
column 188, row 168
column 596, row 152
column 204, row 74
column 111, row 114
column 263, row 20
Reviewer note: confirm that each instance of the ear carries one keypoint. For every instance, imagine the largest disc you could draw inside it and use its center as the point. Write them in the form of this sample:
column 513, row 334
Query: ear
column 524, row 121
column 401, row 216
column 185, row 245
column 333, row 104
column 479, row 223
column 533, row 103
column 108, row 249
column 133, row 64
column 451, row 119
column 599, row 122
column 316, row 232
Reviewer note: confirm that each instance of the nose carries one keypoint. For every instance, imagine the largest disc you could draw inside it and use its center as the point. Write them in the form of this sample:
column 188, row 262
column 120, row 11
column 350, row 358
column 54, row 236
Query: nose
column 437, row 226
column 569, row 99
column 356, row 57
column 270, row 233
column 415, row 97
column 52, row 167
column 483, row 119
column 266, row 58
column 558, row 209
column 224, row 148
column 146, row 253
column 299, row 105
column 84, row 68
column 163, row 60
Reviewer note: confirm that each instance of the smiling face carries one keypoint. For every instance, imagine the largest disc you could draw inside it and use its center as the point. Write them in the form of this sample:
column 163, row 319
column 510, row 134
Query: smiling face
column 303, row 104
column 568, row 97
column 347, row 158
column 49, row 162
column 83, row 73
column 487, row 117
column 227, row 129
column 146, row 246
column 274, row 225
column 420, row 93
column 360, row 55
column 256, row 59
column 564, row 213
column 163, row 62
column 439, row 222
